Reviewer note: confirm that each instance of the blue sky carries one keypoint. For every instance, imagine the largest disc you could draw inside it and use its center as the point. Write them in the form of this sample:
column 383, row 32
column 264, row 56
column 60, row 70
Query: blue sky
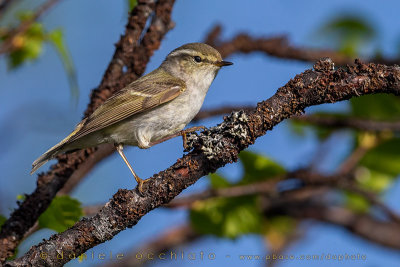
column 36, row 112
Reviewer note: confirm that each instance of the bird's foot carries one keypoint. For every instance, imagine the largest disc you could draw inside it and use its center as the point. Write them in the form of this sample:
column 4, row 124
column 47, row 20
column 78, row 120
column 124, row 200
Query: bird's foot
column 183, row 133
column 140, row 183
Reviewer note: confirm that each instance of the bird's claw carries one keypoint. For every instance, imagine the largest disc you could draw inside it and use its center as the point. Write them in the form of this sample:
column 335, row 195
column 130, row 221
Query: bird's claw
column 183, row 133
column 140, row 184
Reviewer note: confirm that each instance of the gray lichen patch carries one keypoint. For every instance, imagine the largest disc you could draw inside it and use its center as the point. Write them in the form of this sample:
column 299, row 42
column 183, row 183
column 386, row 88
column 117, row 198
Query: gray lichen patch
column 239, row 121
column 212, row 142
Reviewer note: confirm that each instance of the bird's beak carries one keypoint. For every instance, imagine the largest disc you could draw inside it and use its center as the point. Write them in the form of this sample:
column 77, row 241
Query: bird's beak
column 222, row 63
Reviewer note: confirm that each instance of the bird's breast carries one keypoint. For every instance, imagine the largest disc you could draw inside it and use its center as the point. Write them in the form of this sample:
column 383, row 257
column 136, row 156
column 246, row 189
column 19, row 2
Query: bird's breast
column 166, row 119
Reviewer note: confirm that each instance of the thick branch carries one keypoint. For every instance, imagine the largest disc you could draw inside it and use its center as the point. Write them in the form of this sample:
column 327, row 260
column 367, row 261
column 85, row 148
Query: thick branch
column 215, row 148
column 128, row 52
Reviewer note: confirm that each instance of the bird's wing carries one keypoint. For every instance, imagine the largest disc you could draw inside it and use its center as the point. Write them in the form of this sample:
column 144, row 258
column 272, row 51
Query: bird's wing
column 144, row 94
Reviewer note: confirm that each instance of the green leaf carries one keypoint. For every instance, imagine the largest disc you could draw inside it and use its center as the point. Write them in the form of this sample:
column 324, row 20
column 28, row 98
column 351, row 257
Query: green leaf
column 376, row 107
column 56, row 37
column 374, row 181
column 217, row 181
column 384, row 158
column 28, row 46
column 63, row 212
column 258, row 167
column 25, row 15
column 2, row 220
column 21, row 197
column 227, row 217
column 132, row 4
column 356, row 202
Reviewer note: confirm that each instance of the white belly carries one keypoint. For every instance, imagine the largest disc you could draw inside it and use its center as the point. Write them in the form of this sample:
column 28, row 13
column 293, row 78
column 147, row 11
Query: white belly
column 158, row 123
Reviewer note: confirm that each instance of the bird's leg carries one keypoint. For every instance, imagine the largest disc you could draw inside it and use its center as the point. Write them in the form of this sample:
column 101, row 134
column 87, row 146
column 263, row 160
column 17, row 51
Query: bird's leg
column 139, row 181
column 182, row 133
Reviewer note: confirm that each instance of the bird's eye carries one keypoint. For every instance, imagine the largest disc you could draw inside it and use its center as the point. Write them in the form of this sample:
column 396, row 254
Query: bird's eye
column 197, row 59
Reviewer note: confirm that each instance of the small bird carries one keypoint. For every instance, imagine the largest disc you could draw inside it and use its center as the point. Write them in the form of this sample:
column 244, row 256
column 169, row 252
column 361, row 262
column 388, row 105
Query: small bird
column 152, row 109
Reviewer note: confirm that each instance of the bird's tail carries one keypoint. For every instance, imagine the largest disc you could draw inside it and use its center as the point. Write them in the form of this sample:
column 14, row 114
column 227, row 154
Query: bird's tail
column 61, row 147
column 48, row 155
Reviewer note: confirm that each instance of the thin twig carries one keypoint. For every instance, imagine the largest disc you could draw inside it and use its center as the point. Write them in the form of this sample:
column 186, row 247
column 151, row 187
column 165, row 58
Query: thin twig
column 279, row 47
column 363, row 225
column 351, row 162
column 370, row 197
column 350, row 123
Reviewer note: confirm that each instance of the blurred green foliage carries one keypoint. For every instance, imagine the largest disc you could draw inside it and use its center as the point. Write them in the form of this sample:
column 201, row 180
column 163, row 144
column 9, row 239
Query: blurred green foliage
column 2, row 220
column 233, row 216
column 131, row 4
column 356, row 202
column 348, row 33
column 382, row 107
column 378, row 168
column 227, row 217
column 384, row 158
column 217, row 181
column 27, row 46
column 257, row 167
column 62, row 213
column 21, row 197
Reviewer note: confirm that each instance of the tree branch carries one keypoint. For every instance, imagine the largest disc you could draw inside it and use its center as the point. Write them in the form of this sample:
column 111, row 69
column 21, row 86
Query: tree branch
column 279, row 47
column 214, row 148
column 270, row 188
column 364, row 225
column 129, row 52
column 350, row 122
